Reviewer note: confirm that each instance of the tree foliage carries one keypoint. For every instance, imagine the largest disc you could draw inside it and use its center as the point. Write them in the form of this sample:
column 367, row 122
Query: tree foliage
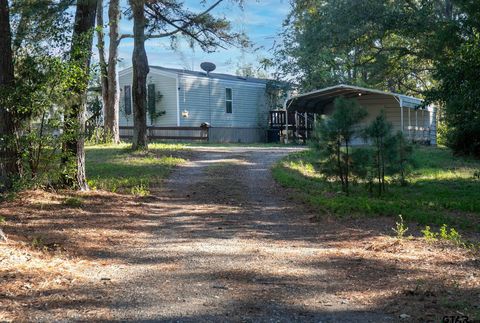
column 390, row 154
column 379, row 133
column 174, row 19
column 426, row 48
column 333, row 137
column 48, row 79
column 374, row 43
column 456, row 70
column 403, row 160
column 386, row 154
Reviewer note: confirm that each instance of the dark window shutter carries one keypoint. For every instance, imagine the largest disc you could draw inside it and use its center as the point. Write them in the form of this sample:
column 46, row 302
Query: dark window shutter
column 228, row 107
column 151, row 98
column 128, row 100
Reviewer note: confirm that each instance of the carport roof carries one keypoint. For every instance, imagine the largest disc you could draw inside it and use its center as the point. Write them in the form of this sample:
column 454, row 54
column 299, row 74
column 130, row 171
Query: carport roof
column 312, row 101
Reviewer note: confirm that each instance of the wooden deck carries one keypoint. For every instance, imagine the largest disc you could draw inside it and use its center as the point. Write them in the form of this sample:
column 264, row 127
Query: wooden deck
column 299, row 127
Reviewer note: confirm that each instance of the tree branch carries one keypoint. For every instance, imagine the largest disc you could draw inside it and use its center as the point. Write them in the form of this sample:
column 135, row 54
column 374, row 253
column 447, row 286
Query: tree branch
column 182, row 28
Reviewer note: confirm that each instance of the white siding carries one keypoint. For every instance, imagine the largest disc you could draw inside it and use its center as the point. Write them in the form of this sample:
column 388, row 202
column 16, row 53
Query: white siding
column 125, row 78
column 166, row 85
column 433, row 125
column 204, row 99
column 194, row 98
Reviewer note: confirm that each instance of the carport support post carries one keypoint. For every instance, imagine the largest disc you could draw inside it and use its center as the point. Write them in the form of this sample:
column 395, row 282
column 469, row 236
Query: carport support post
column 416, row 119
column 401, row 114
column 296, row 125
column 306, row 125
column 286, row 126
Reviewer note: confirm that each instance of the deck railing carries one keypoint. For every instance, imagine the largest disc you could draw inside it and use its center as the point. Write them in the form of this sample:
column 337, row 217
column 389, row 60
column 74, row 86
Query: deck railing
column 300, row 125
column 277, row 119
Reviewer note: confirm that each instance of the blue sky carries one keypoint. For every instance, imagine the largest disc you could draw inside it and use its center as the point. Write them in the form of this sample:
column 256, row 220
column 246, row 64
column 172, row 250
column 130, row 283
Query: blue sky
column 260, row 19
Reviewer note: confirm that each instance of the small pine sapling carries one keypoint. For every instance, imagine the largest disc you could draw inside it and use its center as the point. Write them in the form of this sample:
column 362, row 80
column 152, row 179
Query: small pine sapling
column 400, row 228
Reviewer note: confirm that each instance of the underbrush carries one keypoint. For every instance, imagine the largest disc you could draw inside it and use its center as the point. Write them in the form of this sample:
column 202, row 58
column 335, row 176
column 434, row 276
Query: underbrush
column 442, row 190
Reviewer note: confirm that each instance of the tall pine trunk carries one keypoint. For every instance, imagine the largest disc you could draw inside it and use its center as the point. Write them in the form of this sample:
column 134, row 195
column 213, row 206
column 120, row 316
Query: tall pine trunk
column 112, row 121
column 108, row 69
column 74, row 128
column 103, row 64
column 140, row 71
column 347, row 167
column 8, row 155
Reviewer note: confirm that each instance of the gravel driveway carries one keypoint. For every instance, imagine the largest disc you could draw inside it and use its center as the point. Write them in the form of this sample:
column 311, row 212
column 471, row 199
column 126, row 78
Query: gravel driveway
column 230, row 245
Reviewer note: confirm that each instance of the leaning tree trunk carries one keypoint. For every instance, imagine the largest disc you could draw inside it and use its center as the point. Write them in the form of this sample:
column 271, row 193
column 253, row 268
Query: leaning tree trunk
column 74, row 128
column 8, row 155
column 112, row 109
column 140, row 71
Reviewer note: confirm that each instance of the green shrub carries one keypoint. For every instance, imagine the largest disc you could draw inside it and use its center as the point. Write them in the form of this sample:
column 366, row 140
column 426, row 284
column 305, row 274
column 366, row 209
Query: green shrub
column 443, row 234
column 451, row 235
column 140, row 190
column 428, row 234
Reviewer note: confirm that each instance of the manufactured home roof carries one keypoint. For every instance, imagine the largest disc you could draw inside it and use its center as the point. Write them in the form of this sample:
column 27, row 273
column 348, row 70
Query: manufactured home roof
column 219, row 76
column 309, row 102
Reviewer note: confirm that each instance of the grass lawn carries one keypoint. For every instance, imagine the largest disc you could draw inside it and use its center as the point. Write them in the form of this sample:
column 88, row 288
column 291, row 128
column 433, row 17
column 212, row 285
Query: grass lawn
column 116, row 168
column 443, row 189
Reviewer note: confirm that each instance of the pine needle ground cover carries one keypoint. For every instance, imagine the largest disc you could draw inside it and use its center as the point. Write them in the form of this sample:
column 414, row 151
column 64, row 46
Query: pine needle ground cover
column 62, row 246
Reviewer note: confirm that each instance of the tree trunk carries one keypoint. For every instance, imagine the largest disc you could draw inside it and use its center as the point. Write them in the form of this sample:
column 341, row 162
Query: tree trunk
column 347, row 168
column 8, row 155
column 112, row 109
column 103, row 65
column 74, row 128
column 379, row 171
column 108, row 70
column 339, row 163
column 449, row 9
column 140, row 71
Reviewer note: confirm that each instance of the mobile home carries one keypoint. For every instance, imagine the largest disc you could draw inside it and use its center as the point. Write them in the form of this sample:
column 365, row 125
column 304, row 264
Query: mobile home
column 179, row 101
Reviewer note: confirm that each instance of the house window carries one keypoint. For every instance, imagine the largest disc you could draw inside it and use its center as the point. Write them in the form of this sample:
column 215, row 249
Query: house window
column 228, row 100
column 128, row 100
